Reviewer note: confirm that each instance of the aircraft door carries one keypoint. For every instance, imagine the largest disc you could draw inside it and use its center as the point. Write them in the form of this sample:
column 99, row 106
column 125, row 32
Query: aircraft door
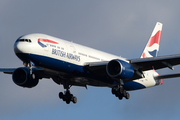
column 72, row 49
column 72, row 54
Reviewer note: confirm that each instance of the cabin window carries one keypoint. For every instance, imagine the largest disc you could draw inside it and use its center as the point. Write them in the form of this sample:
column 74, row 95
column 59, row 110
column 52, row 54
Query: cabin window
column 93, row 57
column 82, row 54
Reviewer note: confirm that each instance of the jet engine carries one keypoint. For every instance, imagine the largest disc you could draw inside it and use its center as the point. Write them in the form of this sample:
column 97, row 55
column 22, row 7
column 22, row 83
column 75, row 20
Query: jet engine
column 119, row 69
column 23, row 78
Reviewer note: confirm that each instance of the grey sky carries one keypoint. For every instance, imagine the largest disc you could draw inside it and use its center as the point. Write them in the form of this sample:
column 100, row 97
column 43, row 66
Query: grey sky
column 118, row 27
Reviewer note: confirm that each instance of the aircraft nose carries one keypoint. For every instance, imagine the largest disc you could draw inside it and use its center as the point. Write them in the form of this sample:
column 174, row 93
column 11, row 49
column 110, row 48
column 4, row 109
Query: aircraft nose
column 22, row 46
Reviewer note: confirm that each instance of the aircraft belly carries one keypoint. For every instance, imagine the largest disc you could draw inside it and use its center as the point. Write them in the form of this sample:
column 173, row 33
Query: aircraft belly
column 82, row 76
column 77, row 73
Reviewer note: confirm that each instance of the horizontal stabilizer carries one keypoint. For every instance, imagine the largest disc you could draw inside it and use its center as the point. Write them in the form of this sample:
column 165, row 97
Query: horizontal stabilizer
column 167, row 76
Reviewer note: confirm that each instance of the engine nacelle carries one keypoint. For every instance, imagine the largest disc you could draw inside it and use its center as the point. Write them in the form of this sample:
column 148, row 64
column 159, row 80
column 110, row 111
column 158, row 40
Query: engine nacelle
column 119, row 69
column 23, row 78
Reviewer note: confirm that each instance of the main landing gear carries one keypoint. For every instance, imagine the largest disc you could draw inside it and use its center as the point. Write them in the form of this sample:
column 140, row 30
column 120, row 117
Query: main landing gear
column 67, row 97
column 120, row 93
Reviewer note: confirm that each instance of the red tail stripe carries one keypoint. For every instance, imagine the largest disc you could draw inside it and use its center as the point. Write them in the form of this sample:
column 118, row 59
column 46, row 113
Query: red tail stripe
column 154, row 39
column 161, row 82
column 47, row 40
column 144, row 55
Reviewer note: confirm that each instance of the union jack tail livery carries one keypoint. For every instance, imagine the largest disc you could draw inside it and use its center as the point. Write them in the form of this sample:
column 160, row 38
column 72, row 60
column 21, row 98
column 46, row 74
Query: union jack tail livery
column 152, row 46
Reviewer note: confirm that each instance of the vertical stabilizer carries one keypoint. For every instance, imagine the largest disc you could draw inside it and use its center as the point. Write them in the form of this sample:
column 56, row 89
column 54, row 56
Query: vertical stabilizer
column 152, row 46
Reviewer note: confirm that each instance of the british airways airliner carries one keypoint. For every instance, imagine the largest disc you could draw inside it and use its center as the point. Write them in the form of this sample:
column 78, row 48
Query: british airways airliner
column 70, row 64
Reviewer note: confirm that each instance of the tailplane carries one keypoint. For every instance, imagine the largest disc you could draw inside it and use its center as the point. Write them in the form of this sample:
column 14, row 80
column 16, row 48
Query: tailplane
column 152, row 46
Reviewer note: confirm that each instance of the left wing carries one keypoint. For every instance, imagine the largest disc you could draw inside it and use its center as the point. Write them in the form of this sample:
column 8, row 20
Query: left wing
column 156, row 62
column 139, row 65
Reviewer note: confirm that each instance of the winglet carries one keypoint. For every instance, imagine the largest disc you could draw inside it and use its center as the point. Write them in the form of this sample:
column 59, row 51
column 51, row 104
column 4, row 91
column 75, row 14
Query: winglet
column 152, row 46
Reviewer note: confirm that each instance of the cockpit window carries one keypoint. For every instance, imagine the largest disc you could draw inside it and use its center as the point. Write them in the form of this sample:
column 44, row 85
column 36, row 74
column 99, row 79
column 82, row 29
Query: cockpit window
column 24, row 40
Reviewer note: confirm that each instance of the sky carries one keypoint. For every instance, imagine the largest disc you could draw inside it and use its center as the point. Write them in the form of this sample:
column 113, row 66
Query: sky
column 118, row 27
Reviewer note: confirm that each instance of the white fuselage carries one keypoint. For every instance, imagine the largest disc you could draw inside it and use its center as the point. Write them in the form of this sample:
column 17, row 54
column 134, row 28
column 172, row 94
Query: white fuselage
column 56, row 51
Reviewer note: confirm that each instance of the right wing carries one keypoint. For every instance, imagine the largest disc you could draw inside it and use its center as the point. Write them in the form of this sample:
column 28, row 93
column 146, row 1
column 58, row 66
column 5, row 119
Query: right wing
column 139, row 65
column 41, row 72
column 7, row 70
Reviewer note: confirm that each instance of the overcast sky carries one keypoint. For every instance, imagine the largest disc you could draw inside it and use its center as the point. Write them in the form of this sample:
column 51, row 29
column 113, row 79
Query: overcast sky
column 118, row 27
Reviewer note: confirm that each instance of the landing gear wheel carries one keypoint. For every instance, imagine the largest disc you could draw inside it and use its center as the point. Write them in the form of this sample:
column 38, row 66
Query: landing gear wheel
column 121, row 90
column 117, row 94
column 120, row 93
column 124, row 93
column 113, row 91
column 68, row 101
column 67, row 97
column 120, row 97
column 61, row 95
column 71, row 97
column 74, row 100
column 127, row 95
column 33, row 76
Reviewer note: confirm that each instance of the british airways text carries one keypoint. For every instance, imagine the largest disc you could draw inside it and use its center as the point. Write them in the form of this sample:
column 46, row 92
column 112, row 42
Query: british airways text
column 64, row 54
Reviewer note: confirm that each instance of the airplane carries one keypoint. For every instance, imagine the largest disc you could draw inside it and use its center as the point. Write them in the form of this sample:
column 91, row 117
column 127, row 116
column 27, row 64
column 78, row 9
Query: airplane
column 70, row 64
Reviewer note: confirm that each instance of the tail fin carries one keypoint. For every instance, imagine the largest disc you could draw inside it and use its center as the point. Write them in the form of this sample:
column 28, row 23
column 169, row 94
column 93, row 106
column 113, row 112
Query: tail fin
column 152, row 46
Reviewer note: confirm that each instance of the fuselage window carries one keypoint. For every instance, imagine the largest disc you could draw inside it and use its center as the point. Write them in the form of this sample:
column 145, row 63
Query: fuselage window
column 53, row 46
column 24, row 40
column 94, row 57
column 82, row 54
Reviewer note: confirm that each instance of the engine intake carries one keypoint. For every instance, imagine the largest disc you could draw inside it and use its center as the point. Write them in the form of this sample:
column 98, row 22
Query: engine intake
column 23, row 78
column 119, row 69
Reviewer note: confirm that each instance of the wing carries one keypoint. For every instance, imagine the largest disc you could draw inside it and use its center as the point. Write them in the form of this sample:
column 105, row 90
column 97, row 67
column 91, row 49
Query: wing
column 140, row 65
column 7, row 70
column 41, row 72
column 98, row 68
column 156, row 62
column 56, row 76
